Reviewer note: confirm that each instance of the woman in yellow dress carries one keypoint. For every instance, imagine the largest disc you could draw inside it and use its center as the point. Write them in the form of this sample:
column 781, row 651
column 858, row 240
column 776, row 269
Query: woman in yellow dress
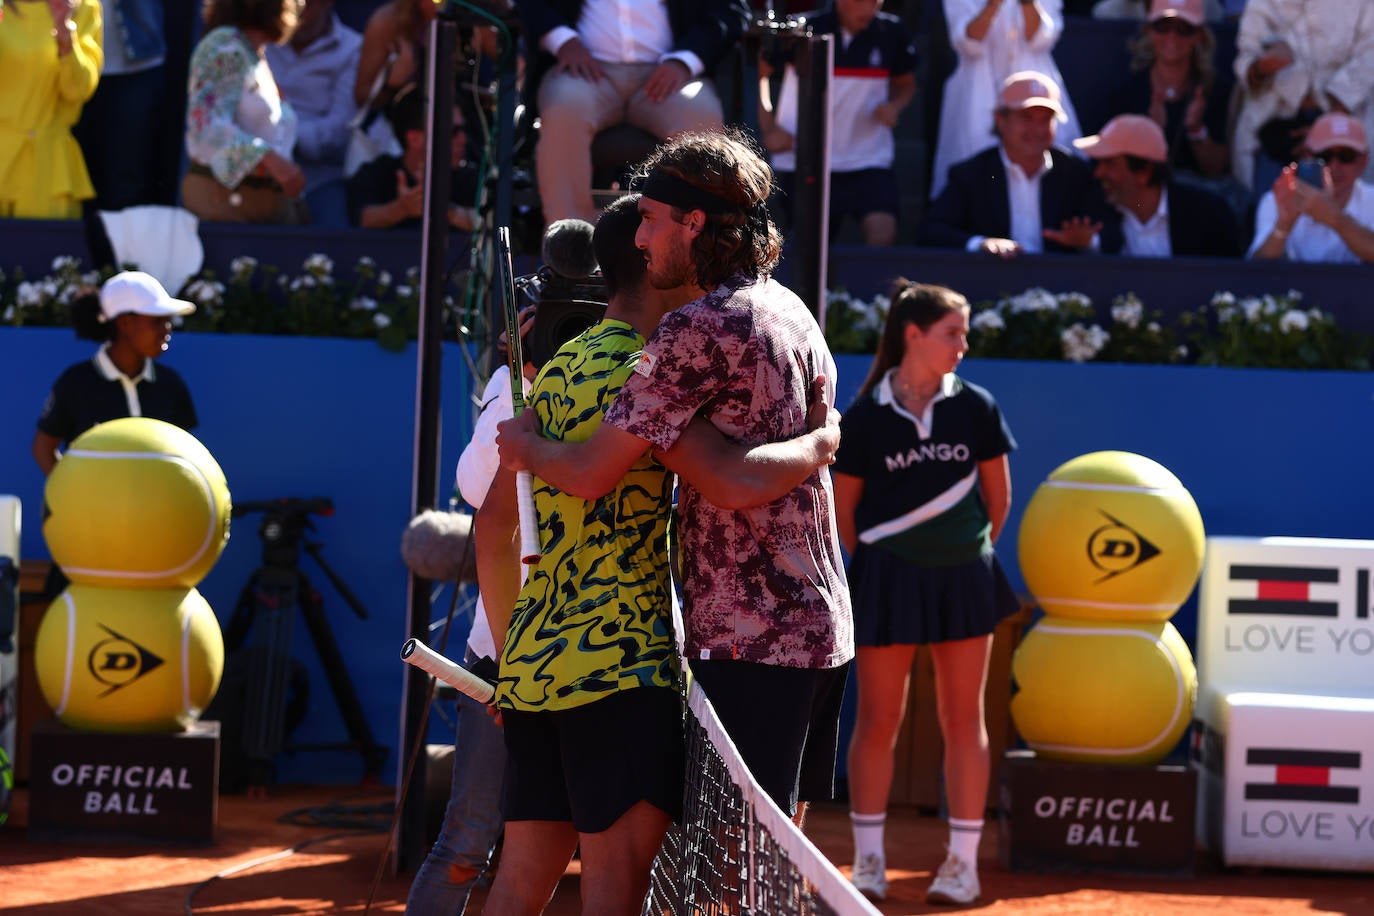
column 50, row 59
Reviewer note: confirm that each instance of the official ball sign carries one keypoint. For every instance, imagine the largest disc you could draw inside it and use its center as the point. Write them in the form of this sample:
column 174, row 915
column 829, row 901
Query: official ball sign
column 154, row 788
column 1076, row 817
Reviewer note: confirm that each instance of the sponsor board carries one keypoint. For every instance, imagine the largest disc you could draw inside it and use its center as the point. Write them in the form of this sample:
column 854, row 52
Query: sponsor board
column 1296, row 781
column 1078, row 817
column 123, row 788
column 1300, row 606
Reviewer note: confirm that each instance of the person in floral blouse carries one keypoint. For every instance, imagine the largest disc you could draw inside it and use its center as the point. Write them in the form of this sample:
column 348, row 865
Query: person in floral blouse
column 239, row 130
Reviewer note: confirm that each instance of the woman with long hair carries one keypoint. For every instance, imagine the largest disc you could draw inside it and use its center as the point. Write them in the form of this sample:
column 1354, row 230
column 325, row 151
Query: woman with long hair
column 922, row 490
column 1174, row 81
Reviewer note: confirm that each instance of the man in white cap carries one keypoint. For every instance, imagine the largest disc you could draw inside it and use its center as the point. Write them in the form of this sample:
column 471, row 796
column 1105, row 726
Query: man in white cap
column 1024, row 194
column 1155, row 217
column 1332, row 223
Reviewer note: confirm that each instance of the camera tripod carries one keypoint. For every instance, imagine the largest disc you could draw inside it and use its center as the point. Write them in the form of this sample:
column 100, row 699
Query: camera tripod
column 266, row 611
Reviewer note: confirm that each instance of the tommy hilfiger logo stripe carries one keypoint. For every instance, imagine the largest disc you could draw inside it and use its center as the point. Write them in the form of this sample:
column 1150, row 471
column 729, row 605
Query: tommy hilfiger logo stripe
column 1302, row 775
column 1283, row 590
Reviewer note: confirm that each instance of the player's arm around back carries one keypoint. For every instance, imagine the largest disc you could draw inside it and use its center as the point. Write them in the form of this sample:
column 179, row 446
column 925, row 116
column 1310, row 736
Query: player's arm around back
column 994, row 483
column 735, row 476
column 588, row 469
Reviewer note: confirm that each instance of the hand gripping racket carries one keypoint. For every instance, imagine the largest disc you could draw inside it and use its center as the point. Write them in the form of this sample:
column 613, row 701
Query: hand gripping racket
column 530, row 548
column 450, row 672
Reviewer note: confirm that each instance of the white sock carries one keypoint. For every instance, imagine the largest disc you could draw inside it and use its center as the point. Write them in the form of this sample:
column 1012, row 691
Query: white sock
column 963, row 839
column 868, row 834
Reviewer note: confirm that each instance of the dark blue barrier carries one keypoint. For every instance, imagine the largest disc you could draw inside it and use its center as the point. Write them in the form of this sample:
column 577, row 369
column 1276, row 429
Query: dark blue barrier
column 287, row 417
column 1263, row 453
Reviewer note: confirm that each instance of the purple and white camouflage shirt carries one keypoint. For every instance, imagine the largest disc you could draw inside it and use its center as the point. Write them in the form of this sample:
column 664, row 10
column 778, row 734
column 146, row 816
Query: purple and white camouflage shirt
column 765, row 584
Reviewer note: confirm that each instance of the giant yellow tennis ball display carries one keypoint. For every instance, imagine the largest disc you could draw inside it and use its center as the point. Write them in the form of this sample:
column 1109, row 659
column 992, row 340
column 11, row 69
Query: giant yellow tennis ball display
column 128, row 660
column 136, row 503
column 1111, row 536
column 1092, row 691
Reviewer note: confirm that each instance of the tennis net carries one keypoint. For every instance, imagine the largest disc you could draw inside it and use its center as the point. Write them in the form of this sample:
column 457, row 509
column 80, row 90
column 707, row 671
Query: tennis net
column 736, row 852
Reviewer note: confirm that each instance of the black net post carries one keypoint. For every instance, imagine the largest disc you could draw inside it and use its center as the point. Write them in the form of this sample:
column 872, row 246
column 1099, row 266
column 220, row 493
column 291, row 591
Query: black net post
column 814, row 60
column 408, row 850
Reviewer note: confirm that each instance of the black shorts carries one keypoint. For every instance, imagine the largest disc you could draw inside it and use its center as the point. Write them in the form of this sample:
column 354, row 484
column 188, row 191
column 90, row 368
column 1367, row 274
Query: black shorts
column 592, row 763
column 855, row 194
column 785, row 722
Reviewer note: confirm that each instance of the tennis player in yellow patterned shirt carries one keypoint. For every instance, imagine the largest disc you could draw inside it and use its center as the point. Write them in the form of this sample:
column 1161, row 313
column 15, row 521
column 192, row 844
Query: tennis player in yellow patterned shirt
column 588, row 675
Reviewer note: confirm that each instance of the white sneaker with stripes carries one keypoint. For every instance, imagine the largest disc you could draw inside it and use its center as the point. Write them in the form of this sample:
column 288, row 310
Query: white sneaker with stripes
column 956, row 882
column 870, row 876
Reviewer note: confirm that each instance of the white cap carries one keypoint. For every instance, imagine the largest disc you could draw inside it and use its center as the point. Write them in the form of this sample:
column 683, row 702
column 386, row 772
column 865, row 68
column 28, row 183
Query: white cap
column 140, row 293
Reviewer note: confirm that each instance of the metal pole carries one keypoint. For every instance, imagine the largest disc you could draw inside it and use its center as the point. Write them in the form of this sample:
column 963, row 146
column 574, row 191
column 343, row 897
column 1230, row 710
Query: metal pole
column 408, row 850
column 502, row 200
column 815, row 61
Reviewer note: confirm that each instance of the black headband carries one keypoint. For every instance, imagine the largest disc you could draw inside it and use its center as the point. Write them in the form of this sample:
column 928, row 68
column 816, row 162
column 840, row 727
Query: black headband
column 669, row 189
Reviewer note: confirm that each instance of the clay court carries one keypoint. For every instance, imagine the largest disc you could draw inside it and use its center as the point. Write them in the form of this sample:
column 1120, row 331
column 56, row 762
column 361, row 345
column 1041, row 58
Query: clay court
column 333, row 873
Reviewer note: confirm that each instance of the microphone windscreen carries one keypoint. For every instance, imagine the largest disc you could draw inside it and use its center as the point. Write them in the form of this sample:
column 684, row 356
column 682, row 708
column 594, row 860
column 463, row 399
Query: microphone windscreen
column 568, row 249
column 437, row 546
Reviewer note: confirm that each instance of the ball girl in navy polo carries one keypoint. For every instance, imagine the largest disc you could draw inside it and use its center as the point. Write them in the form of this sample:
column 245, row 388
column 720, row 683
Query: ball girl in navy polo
column 922, row 489
column 131, row 318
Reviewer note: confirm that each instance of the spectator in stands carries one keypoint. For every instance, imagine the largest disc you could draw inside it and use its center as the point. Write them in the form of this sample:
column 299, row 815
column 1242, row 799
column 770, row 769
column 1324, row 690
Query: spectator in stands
column 994, row 39
column 603, row 63
column 240, row 133
column 392, row 57
column 389, row 191
column 1144, row 10
column 315, row 72
column 1024, row 194
column 121, row 125
column 874, row 81
column 1297, row 59
column 1333, row 223
column 50, row 60
column 1174, row 81
column 1156, row 217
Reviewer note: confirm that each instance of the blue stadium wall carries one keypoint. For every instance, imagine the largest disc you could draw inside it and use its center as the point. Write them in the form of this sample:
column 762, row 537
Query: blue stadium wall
column 1263, row 453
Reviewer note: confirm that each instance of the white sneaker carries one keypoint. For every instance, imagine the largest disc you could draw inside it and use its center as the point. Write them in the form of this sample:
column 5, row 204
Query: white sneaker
column 870, row 876
column 956, row 882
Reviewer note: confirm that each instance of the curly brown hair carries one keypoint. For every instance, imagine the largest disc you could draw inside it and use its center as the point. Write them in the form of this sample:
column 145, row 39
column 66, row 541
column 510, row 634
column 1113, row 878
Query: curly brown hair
column 275, row 18
column 729, row 165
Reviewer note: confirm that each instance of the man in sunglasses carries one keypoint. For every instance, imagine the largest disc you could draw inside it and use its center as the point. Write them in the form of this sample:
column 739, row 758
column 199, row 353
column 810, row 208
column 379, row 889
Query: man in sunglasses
column 1322, row 216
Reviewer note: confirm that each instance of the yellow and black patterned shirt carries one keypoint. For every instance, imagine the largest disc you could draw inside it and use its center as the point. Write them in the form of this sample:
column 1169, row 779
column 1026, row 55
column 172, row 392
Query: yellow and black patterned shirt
column 594, row 614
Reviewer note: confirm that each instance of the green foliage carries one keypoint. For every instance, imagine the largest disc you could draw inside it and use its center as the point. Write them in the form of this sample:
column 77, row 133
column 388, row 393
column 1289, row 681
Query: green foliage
column 1272, row 332
column 254, row 299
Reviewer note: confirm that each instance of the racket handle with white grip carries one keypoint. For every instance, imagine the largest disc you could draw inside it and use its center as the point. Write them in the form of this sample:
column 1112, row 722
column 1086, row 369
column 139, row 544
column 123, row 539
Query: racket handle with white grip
column 450, row 672
column 530, row 548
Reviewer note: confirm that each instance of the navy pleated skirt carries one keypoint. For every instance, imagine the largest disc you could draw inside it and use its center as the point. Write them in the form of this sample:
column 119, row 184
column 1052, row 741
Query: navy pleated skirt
column 899, row 603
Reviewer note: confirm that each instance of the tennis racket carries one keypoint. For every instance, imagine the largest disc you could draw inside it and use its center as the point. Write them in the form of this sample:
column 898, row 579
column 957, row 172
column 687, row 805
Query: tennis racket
column 530, row 548
column 450, row 672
